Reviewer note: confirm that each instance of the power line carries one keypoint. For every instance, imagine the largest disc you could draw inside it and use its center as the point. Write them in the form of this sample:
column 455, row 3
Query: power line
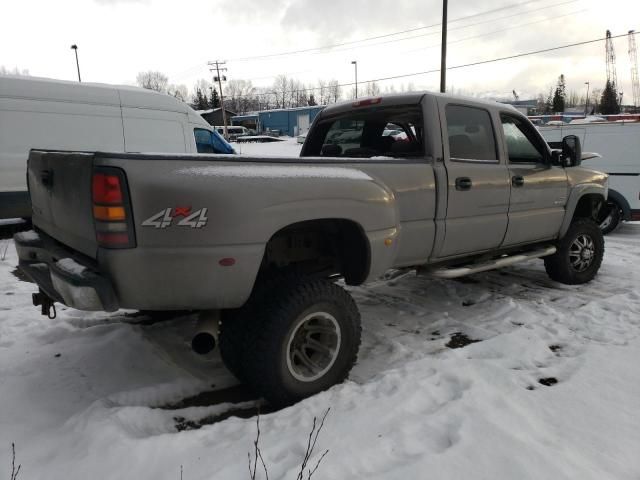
column 461, row 40
column 318, row 50
column 326, row 47
column 455, row 67
column 493, row 20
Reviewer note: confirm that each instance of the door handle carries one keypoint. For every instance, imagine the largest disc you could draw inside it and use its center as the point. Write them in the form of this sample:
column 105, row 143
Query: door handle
column 463, row 183
column 517, row 180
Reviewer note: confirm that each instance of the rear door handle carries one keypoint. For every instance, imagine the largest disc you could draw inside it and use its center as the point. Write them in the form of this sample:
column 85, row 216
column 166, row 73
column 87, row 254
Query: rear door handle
column 463, row 183
column 517, row 180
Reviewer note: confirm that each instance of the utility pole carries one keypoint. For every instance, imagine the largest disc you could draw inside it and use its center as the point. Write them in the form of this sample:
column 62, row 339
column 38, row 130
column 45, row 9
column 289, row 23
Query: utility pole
column 75, row 48
column 443, row 53
column 586, row 102
column 633, row 59
column 219, row 79
column 355, row 64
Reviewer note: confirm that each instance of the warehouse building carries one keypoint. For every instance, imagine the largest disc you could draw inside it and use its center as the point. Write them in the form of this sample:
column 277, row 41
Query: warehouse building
column 284, row 121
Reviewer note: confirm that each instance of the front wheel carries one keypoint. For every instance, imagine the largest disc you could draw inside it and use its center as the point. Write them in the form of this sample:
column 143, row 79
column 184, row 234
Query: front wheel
column 305, row 340
column 579, row 255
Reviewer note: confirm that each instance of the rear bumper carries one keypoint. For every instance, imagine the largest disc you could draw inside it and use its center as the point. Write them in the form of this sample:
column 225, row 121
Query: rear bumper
column 62, row 274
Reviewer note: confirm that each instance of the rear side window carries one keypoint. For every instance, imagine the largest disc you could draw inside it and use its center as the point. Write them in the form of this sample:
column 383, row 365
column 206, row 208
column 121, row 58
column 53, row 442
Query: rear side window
column 471, row 135
column 385, row 132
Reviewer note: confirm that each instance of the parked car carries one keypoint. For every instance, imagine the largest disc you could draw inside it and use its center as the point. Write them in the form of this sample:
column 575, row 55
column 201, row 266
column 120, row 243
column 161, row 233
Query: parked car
column 52, row 114
column 475, row 187
column 233, row 132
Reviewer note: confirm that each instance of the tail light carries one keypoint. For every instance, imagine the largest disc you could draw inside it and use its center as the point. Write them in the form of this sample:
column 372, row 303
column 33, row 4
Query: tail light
column 112, row 209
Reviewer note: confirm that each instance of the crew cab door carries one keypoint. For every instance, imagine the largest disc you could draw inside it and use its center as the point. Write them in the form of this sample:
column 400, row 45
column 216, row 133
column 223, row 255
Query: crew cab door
column 538, row 189
column 478, row 182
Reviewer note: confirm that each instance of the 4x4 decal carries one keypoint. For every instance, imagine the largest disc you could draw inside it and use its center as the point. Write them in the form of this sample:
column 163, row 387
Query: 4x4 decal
column 165, row 218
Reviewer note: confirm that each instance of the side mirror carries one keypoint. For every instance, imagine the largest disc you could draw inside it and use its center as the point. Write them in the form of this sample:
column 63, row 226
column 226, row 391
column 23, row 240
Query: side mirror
column 571, row 151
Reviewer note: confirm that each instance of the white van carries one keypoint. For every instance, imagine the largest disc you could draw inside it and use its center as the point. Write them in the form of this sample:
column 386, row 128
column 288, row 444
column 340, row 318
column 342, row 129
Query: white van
column 619, row 145
column 53, row 114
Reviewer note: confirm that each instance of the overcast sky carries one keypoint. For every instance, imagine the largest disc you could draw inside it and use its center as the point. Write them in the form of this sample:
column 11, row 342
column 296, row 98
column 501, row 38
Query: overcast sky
column 118, row 38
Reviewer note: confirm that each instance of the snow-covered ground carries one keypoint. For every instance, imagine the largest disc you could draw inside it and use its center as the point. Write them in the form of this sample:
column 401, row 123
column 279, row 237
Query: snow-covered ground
column 286, row 147
column 115, row 396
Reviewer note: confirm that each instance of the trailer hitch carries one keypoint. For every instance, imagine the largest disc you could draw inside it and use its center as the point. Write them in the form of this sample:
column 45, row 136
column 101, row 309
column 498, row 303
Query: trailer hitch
column 46, row 304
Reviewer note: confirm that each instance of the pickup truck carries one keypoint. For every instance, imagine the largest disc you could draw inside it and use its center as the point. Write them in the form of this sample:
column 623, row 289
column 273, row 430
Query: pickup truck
column 257, row 246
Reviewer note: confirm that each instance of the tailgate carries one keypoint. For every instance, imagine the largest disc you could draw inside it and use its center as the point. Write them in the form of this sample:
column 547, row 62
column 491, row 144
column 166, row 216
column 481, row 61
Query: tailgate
column 60, row 190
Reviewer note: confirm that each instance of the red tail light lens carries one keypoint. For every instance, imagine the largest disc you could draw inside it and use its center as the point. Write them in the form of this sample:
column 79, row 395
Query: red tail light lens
column 106, row 189
column 112, row 215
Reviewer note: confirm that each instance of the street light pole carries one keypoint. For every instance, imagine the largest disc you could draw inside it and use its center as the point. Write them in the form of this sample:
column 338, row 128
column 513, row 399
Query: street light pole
column 586, row 102
column 355, row 64
column 75, row 48
column 443, row 53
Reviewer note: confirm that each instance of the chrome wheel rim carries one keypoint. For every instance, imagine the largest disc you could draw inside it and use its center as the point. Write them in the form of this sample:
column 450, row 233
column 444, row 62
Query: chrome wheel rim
column 582, row 252
column 313, row 346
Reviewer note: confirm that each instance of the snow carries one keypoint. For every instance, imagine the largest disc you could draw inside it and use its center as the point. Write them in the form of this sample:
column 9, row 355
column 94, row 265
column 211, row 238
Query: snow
column 96, row 395
column 29, row 236
column 69, row 265
column 274, row 171
column 288, row 147
column 10, row 221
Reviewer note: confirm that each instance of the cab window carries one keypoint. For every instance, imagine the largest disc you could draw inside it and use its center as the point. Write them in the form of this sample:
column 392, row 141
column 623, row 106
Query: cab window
column 521, row 146
column 470, row 134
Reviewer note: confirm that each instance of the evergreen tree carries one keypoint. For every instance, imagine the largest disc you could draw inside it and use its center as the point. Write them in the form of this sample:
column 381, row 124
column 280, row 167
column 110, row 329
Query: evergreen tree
column 559, row 95
column 199, row 100
column 312, row 100
column 214, row 101
column 609, row 101
column 548, row 104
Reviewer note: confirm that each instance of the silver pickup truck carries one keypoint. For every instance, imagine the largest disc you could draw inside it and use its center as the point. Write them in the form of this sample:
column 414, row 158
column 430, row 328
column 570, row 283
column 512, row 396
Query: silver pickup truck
column 445, row 185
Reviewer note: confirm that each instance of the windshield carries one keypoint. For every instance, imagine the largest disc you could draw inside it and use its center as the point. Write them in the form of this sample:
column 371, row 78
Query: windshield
column 211, row 142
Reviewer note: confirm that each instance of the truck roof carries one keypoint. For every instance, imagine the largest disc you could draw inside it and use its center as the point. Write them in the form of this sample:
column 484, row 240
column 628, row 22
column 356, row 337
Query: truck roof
column 408, row 98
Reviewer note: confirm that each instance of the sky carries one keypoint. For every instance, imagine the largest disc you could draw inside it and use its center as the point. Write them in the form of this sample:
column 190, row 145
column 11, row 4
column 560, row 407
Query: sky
column 118, row 38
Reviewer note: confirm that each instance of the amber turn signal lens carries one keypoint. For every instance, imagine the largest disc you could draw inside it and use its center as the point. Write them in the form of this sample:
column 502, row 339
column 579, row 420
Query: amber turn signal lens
column 108, row 213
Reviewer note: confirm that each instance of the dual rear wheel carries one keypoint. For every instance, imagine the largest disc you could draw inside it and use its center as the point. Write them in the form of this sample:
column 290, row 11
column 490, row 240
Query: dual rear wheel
column 295, row 337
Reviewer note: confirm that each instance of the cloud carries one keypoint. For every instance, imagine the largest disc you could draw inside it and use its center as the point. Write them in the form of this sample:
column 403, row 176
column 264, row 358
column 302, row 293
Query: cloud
column 114, row 2
column 335, row 19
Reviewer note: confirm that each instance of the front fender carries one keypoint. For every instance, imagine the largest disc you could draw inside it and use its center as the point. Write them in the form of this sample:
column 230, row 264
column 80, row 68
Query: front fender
column 577, row 192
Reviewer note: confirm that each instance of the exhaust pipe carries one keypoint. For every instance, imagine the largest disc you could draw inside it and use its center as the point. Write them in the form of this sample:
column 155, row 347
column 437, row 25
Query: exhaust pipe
column 205, row 338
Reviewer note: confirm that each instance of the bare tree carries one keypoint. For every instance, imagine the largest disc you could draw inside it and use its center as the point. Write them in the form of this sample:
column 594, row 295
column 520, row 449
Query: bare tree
column 152, row 80
column 179, row 91
column 281, row 87
column 14, row 470
column 335, row 92
column 323, row 92
column 13, row 71
column 304, row 466
column 372, row 89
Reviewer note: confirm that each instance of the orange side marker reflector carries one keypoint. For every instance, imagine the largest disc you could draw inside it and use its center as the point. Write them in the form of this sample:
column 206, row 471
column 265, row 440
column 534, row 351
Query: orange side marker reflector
column 388, row 242
column 108, row 213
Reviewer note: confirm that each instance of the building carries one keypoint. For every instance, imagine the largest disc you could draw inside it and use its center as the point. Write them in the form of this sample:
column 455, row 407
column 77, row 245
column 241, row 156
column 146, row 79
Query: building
column 526, row 107
column 285, row 121
column 214, row 116
column 250, row 121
